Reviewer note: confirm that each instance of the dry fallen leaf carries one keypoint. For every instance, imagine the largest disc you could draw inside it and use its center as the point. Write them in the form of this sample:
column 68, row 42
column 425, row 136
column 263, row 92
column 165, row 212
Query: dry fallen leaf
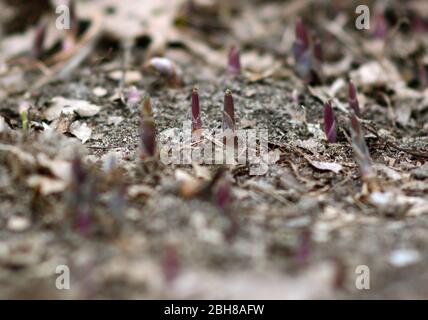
column 189, row 185
column 12, row 45
column 128, row 19
column 18, row 224
column 60, row 168
column 390, row 173
column 138, row 190
column 81, row 131
column 68, row 106
column 23, row 156
column 99, row 92
column 420, row 173
column 325, row 93
column 46, row 185
column 316, row 282
column 376, row 73
column 131, row 76
column 394, row 202
column 330, row 166
column 404, row 257
column 4, row 127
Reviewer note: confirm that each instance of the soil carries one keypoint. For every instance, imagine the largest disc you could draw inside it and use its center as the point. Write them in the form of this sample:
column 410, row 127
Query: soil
column 295, row 232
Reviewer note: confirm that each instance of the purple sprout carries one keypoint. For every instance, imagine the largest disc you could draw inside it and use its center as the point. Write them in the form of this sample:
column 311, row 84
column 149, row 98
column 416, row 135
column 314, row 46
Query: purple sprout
column 147, row 131
column 148, row 138
column 171, row 263
column 318, row 51
column 223, row 199
column 117, row 202
column 329, row 122
column 228, row 112
column 223, row 194
column 79, row 173
column 133, row 97
column 301, row 44
column 70, row 39
column 39, row 39
column 196, row 112
column 353, row 99
column 307, row 59
column 418, row 24
column 361, row 152
column 146, row 110
column 301, row 50
column 422, row 76
column 81, row 197
column 74, row 22
column 380, row 30
column 234, row 61
column 84, row 221
column 304, row 247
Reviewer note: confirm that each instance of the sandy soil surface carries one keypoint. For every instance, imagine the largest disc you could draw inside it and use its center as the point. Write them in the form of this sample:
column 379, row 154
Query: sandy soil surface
column 76, row 190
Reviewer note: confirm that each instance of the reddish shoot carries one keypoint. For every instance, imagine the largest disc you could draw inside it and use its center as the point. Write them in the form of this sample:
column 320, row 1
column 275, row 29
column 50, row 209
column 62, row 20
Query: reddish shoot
column 329, row 122
column 234, row 64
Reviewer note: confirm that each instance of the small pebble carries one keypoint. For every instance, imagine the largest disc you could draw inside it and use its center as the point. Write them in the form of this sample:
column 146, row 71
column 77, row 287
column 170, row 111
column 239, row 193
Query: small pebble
column 404, row 257
column 18, row 224
column 99, row 92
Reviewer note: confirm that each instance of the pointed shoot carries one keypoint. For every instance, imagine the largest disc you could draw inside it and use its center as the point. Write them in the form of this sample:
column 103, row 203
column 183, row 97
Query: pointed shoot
column 133, row 97
column 353, row 99
column 234, row 64
column 361, row 152
column 196, row 113
column 302, row 37
column 307, row 60
column 228, row 112
column 39, row 39
column 147, row 131
column 329, row 122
